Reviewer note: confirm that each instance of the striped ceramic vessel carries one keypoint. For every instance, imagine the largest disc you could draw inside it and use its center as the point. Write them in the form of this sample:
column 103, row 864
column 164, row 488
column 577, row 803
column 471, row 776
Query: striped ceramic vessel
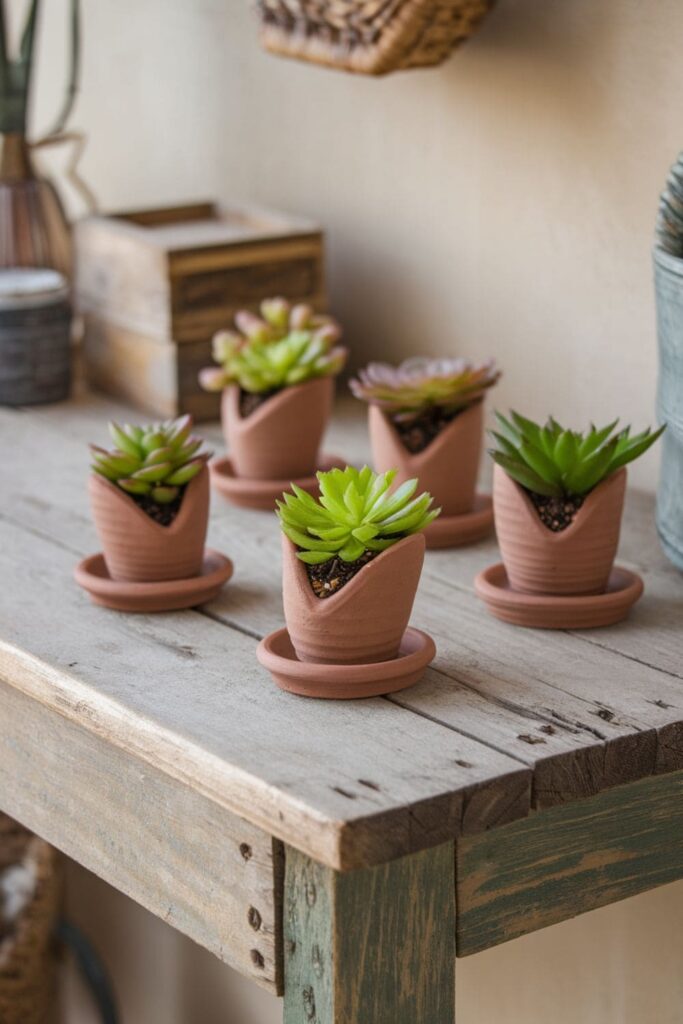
column 577, row 560
column 139, row 550
column 365, row 620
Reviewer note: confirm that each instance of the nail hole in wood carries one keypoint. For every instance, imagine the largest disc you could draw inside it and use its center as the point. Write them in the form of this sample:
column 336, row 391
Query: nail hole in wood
column 369, row 785
column 463, row 764
column 257, row 958
column 605, row 714
column 254, row 918
column 246, row 851
column 549, row 730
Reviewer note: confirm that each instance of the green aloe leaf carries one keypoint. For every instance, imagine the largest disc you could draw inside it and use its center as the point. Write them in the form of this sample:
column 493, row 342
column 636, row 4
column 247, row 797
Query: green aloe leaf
column 637, row 448
column 525, row 476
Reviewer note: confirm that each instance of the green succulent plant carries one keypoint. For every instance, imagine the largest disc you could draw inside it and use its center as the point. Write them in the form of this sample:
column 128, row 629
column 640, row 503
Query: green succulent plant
column 156, row 460
column 555, row 462
column 286, row 345
column 356, row 512
column 417, row 384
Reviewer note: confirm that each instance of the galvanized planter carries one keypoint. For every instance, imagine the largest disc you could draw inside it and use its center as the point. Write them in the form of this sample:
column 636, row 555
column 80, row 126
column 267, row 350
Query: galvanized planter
column 35, row 337
column 669, row 293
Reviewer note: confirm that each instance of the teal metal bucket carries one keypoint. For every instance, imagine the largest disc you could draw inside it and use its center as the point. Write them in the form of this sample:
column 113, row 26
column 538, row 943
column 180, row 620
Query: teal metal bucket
column 669, row 295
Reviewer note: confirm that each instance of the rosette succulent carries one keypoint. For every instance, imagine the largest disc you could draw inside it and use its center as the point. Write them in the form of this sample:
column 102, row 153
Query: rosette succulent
column 286, row 345
column 558, row 463
column 356, row 512
column 154, row 461
column 419, row 384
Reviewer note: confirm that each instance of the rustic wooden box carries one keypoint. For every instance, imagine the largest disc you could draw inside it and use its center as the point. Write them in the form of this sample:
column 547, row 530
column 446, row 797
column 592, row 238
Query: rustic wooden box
column 155, row 285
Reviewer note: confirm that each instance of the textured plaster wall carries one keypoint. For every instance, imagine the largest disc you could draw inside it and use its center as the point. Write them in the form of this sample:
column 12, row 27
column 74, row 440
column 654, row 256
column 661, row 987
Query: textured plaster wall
column 502, row 204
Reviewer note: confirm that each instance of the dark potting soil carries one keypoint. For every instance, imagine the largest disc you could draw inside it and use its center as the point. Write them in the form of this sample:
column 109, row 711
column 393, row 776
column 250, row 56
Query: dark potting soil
column 250, row 402
column 418, row 433
column 556, row 513
column 329, row 577
column 163, row 514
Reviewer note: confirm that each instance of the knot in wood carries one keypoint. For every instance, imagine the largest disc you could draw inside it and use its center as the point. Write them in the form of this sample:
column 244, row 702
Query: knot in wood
column 309, row 1002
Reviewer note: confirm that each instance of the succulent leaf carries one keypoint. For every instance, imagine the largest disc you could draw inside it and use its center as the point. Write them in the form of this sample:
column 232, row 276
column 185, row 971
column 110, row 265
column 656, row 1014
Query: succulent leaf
column 356, row 512
column 555, row 462
column 407, row 390
column 156, row 460
column 287, row 346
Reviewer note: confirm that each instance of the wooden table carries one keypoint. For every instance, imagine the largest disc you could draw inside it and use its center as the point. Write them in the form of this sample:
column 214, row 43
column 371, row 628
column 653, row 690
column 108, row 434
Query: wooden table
column 336, row 853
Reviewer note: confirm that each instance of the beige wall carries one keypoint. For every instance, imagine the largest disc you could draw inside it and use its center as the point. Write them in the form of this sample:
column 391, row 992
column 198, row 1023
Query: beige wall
column 502, row 205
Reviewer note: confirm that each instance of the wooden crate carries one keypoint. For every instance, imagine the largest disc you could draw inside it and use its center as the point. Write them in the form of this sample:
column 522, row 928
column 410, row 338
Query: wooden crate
column 155, row 285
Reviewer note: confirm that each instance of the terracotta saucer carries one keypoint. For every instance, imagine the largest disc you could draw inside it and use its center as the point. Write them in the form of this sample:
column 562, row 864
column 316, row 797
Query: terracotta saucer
column 342, row 682
column 547, row 612
column 456, row 531
column 261, row 493
column 166, row 596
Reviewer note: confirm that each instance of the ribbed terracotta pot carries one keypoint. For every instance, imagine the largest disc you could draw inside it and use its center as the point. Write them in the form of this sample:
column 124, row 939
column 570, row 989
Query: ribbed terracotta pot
column 139, row 550
column 365, row 620
column 281, row 439
column 577, row 560
column 447, row 468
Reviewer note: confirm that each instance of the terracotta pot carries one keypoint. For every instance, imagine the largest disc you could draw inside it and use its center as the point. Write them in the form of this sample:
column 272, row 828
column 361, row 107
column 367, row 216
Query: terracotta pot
column 365, row 620
column 577, row 560
column 138, row 549
column 447, row 468
column 281, row 439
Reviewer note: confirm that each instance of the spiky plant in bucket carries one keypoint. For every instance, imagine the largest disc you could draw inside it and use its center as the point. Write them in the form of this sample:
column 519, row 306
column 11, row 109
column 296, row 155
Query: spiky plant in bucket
column 152, row 463
column 287, row 345
column 559, row 467
column 421, row 395
column 356, row 517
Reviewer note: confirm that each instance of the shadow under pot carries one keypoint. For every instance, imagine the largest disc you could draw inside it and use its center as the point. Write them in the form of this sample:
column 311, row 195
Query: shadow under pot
column 281, row 438
column 364, row 621
column 137, row 549
column 577, row 560
column 447, row 467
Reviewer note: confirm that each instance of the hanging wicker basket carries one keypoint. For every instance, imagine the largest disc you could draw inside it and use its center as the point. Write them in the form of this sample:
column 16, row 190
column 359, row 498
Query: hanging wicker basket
column 371, row 37
column 30, row 893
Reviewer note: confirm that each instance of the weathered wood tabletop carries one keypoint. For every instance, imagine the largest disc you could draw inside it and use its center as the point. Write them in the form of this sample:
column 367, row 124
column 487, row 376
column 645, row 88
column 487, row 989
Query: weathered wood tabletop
column 299, row 840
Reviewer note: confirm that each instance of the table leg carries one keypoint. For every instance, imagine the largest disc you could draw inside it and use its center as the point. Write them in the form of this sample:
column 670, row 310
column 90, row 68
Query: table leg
column 373, row 946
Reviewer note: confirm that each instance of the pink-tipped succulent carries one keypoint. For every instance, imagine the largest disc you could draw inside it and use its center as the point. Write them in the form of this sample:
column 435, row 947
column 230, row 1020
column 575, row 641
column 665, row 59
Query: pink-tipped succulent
column 154, row 461
column 418, row 384
column 285, row 345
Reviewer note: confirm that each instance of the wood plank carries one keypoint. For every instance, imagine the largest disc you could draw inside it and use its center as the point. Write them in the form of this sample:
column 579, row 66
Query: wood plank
column 583, row 717
column 370, row 947
column 183, row 857
column 350, row 784
column 568, row 860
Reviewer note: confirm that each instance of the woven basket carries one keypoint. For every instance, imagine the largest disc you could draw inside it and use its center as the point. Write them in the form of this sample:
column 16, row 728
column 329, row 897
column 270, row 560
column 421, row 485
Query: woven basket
column 372, row 37
column 28, row 952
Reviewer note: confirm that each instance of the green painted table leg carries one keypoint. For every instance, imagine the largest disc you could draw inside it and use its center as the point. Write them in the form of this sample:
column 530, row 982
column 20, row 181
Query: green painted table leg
column 375, row 946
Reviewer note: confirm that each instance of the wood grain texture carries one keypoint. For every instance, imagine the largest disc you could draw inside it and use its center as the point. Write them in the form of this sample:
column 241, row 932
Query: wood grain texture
column 565, row 861
column 349, row 784
column 159, row 377
column 374, row 946
column 183, row 857
column 179, row 275
column 581, row 712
